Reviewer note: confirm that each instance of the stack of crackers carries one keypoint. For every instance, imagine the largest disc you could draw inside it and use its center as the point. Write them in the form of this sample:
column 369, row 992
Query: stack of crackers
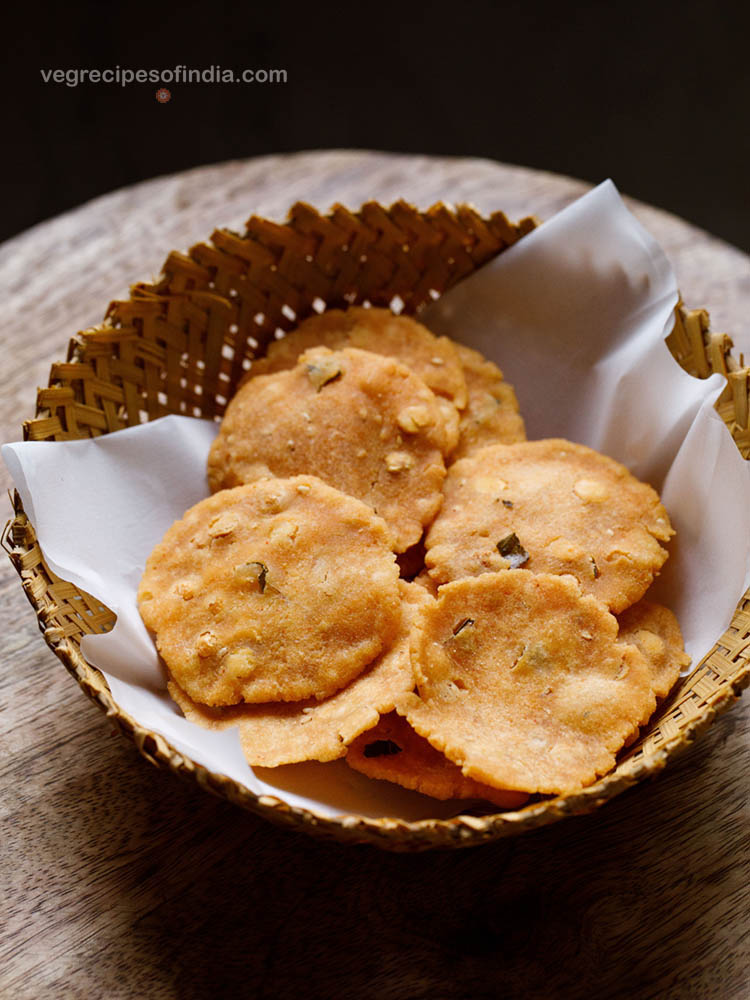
column 388, row 571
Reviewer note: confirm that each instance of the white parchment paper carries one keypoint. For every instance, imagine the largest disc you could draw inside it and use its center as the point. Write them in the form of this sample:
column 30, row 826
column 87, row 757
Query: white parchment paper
column 576, row 315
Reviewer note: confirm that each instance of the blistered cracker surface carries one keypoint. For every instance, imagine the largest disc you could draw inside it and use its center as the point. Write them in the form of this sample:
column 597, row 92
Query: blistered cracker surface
column 572, row 510
column 522, row 682
column 434, row 359
column 275, row 734
column 275, row 591
column 656, row 632
column 418, row 766
column 452, row 426
column 359, row 421
column 491, row 415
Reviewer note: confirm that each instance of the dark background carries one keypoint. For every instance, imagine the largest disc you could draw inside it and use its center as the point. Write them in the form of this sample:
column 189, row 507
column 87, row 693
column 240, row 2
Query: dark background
column 654, row 95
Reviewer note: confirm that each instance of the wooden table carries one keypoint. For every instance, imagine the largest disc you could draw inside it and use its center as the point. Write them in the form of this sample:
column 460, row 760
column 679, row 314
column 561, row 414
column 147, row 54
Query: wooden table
column 120, row 881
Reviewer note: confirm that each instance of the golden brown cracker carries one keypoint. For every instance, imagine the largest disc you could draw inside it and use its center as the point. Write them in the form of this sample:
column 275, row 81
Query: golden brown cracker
column 275, row 734
column 392, row 751
column 424, row 580
column 360, row 421
column 324, row 330
column 451, row 425
column 276, row 591
column 550, row 506
column 656, row 632
column 491, row 415
column 434, row 359
column 522, row 682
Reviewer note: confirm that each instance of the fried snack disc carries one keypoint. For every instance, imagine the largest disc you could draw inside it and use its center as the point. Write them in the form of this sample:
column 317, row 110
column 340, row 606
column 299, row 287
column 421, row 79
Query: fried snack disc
column 491, row 415
column 360, row 421
column 522, row 682
column 276, row 591
column 277, row 734
column 392, row 751
column 434, row 359
column 655, row 631
column 424, row 580
column 552, row 507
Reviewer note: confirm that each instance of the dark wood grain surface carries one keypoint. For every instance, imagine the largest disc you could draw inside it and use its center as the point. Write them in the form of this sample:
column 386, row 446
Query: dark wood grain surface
column 119, row 881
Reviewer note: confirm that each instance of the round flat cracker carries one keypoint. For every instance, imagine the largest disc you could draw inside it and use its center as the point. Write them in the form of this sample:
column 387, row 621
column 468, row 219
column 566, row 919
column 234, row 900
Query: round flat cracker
column 522, row 682
column 424, row 580
column 491, row 415
column 434, row 359
column 392, row 751
column 656, row 632
column 276, row 591
column 552, row 507
column 288, row 733
column 359, row 421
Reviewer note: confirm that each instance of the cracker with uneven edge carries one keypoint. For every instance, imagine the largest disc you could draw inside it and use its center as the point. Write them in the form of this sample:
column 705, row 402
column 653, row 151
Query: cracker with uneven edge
column 392, row 751
column 656, row 632
column 491, row 415
column 434, row 359
column 360, row 421
column 550, row 506
column 522, row 682
column 424, row 580
column 275, row 734
column 276, row 591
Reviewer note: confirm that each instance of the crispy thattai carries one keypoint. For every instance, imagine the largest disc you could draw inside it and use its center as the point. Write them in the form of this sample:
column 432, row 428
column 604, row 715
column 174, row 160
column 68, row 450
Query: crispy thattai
column 491, row 415
column 522, row 682
column 655, row 631
column 425, row 580
column 275, row 734
column 360, row 421
column 392, row 751
column 434, row 359
column 550, row 506
column 275, row 591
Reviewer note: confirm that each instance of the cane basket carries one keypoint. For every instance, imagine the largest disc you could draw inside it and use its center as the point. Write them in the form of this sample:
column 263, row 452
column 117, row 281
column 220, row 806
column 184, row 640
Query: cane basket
column 182, row 344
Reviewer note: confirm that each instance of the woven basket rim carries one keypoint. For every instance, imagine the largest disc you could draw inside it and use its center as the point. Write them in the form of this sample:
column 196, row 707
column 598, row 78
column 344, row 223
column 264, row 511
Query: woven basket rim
column 691, row 332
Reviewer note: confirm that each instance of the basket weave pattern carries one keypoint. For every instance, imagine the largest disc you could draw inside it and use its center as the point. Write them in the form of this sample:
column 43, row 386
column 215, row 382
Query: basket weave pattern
column 182, row 345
